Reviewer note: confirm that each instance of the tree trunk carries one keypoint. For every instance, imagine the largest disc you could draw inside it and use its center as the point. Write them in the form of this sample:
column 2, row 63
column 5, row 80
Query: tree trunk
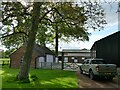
column 25, row 67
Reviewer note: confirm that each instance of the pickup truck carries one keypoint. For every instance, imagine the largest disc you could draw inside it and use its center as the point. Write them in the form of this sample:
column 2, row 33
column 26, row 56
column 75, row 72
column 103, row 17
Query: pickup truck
column 98, row 68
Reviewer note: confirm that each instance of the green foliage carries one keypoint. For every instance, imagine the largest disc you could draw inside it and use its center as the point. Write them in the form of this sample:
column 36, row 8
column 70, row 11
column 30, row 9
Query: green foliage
column 7, row 53
column 4, row 54
column 72, row 21
column 16, row 24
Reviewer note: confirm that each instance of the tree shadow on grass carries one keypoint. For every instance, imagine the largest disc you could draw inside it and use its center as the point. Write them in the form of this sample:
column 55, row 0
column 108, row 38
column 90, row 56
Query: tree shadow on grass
column 51, row 80
column 41, row 79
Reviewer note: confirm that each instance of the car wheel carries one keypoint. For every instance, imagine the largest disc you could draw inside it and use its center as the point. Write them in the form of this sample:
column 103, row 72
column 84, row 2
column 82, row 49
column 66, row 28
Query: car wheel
column 91, row 75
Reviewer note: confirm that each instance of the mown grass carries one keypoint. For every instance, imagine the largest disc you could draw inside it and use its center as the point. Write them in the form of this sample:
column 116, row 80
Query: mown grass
column 45, row 79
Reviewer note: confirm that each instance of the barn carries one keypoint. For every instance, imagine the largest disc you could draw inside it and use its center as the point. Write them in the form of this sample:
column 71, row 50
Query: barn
column 108, row 48
column 40, row 54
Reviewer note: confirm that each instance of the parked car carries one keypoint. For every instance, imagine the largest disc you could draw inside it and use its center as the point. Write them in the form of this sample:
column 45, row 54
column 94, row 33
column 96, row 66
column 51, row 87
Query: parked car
column 98, row 68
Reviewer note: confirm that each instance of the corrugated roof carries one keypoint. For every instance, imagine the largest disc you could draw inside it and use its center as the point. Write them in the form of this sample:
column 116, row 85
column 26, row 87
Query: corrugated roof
column 42, row 49
column 75, row 50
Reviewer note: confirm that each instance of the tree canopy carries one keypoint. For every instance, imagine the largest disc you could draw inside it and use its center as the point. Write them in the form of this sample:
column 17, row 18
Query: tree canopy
column 73, row 21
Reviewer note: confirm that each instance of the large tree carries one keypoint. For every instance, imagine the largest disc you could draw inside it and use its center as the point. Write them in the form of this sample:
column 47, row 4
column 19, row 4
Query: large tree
column 66, row 20
column 59, row 16
column 24, row 69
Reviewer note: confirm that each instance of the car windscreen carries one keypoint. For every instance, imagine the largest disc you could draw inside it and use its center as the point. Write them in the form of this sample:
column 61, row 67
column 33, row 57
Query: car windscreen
column 98, row 62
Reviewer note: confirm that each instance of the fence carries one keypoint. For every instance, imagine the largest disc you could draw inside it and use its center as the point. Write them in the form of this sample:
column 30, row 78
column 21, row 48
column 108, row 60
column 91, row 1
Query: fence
column 70, row 66
column 4, row 62
column 49, row 65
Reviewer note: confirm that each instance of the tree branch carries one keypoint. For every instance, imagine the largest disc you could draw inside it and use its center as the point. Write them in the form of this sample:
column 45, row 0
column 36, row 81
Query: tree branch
column 61, row 16
column 45, row 14
column 15, row 33
column 52, row 21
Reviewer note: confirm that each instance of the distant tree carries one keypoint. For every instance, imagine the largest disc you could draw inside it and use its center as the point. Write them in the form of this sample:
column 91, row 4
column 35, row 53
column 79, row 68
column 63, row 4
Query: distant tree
column 15, row 30
column 9, row 52
column 2, row 54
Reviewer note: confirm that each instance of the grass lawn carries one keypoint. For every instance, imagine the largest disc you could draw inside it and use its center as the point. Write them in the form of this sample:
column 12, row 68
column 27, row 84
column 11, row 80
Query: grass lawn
column 45, row 79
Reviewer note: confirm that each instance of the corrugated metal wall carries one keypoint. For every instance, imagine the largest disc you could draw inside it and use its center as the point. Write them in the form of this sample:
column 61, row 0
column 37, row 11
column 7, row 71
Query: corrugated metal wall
column 109, row 48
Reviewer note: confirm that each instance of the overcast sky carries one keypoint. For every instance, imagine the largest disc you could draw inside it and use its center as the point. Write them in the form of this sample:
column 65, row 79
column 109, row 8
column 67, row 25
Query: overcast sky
column 110, row 28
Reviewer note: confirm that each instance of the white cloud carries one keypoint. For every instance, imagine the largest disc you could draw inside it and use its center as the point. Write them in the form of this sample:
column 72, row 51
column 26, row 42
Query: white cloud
column 2, row 47
column 88, row 44
column 111, row 12
column 70, row 45
column 111, row 26
column 79, row 45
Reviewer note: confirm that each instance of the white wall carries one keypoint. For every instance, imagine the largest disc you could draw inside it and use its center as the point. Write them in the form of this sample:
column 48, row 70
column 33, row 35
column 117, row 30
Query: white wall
column 40, row 59
column 49, row 58
column 78, row 54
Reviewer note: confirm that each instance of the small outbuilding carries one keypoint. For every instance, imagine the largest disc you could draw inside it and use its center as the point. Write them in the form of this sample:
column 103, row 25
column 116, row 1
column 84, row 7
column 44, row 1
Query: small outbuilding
column 40, row 54
column 75, row 55
column 108, row 48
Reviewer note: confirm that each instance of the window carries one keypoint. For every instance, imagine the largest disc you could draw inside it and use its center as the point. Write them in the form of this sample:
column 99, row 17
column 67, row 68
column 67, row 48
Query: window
column 49, row 58
column 66, row 59
column 87, row 62
column 84, row 62
column 21, row 61
column 98, row 62
column 75, row 60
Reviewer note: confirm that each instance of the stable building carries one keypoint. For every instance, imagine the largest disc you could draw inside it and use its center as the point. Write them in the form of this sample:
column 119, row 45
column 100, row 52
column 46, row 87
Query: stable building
column 108, row 48
column 40, row 54
column 75, row 55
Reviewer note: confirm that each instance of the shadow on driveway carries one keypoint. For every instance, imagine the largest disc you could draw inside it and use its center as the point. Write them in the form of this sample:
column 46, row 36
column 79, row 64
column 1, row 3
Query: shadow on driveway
column 85, row 82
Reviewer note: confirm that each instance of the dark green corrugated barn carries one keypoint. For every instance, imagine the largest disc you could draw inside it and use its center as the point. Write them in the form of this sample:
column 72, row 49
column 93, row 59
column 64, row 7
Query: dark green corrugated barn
column 108, row 48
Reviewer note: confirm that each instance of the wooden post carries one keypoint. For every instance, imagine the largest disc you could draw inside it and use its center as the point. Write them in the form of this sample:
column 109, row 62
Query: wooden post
column 62, row 60
column 41, row 64
column 3, row 62
column 36, row 62
column 8, row 62
column 51, row 65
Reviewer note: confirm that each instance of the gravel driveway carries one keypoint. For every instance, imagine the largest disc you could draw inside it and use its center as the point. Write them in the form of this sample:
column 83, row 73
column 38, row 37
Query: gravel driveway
column 85, row 82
